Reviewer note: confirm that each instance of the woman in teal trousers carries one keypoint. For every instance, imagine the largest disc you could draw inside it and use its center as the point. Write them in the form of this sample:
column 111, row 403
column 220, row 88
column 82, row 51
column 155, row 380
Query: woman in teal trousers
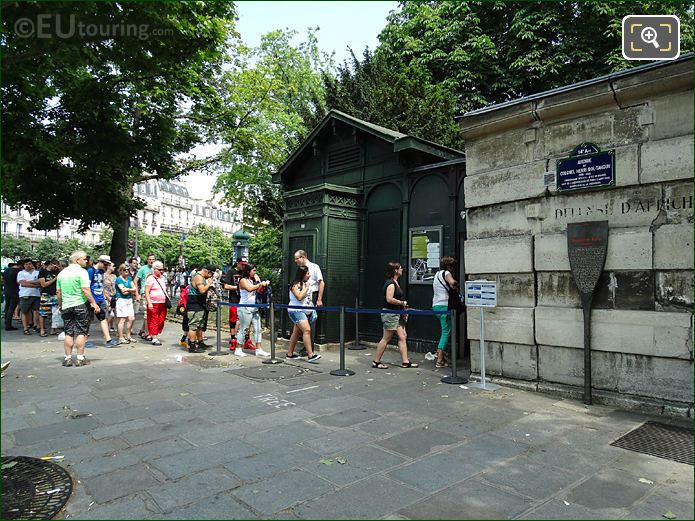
column 443, row 281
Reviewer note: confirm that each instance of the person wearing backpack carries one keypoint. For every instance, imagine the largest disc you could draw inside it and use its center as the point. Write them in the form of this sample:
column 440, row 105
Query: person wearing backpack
column 443, row 284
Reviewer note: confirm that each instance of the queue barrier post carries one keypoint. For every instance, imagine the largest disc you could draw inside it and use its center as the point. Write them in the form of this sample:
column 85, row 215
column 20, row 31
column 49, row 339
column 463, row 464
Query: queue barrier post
column 272, row 359
column 454, row 378
column 218, row 326
column 357, row 346
column 342, row 371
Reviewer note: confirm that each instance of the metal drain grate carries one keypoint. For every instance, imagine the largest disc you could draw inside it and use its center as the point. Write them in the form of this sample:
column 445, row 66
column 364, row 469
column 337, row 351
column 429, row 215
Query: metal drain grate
column 33, row 488
column 660, row 440
column 273, row 372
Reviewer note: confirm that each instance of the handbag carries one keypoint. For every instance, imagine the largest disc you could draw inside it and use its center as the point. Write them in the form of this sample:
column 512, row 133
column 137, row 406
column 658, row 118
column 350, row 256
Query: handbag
column 167, row 302
column 456, row 300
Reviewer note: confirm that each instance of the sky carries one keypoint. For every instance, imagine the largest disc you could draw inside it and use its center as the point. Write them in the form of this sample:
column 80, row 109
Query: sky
column 341, row 25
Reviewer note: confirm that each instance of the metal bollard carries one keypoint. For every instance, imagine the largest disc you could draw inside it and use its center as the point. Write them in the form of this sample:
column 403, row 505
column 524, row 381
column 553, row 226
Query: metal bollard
column 342, row 371
column 454, row 378
column 272, row 359
column 218, row 325
column 357, row 346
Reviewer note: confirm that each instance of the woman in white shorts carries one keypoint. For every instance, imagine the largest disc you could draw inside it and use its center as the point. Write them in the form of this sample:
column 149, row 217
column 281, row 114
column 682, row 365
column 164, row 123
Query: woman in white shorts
column 125, row 289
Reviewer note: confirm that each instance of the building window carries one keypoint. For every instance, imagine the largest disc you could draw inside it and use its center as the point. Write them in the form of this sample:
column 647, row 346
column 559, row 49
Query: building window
column 19, row 229
column 4, row 227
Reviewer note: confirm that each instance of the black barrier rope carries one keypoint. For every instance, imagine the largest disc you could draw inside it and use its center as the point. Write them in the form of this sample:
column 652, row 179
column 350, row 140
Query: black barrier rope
column 342, row 371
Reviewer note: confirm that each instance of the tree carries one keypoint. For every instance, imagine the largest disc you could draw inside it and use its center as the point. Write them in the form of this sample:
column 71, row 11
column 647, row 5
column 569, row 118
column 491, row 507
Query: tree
column 258, row 115
column 396, row 97
column 47, row 249
column 85, row 116
column 15, row 247
column 265, row 251
column 487, row 52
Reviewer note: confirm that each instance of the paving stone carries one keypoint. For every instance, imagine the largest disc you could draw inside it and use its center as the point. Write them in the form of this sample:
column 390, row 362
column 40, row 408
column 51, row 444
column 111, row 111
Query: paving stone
column 470, row 499
column 207, row 435
column 361, row 462
column 133, row 507
column 277, row 418
column 557, row 509
column 557, row 454
column 349, row 503
column 289, row 434
column 436, row 472
column 270, row 462
column 158, row 448
column 155, row 432
column 656, row 505
column 489, row 450
column 463, row 426
column 94, row 449
column 192, row 488
column 119, row 428
column 390, row 424
column 331, row 405
column 120, row 483
column 338, row 440
column 54, row 445
column 221, row 506
column 180, row 415
column 530, row 479
column 15, row 424
column 609, row 489
column 134, row 413
column 419, row 441
column 346, row 418
column 177, row 465
column 103, row 464
column 282, row 491
column 32, row 435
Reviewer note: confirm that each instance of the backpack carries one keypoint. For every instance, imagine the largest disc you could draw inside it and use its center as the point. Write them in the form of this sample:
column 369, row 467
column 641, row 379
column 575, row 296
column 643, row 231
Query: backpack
column 183, row 300
column 456, row 300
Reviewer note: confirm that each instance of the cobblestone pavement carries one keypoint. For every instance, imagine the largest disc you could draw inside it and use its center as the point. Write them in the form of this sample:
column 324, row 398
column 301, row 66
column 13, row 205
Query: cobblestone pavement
column 169, row 435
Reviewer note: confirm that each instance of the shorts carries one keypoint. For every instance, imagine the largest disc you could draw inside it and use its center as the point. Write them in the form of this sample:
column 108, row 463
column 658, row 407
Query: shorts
column 76, row 320
column 124, row 308
column 297, row 316
column 45, row 304
column 103, row 306
column 196, row 319
column 27, row 304
column 391, row 321
column 233, row 315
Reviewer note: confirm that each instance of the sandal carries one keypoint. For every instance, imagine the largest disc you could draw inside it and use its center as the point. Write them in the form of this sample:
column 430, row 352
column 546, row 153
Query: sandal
column 378, row 365
column 409, row 364
column 27, row 332
column 43, row 334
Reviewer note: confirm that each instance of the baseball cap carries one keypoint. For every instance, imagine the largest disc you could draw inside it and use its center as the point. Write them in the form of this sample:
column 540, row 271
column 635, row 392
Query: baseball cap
column 105, row 258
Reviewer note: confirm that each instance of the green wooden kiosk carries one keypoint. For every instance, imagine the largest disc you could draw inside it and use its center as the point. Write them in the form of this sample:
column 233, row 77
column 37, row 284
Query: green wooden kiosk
column 357, row 196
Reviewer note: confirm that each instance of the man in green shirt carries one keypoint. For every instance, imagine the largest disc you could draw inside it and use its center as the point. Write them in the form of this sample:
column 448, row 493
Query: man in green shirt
column 73, row 292
column 139, row 281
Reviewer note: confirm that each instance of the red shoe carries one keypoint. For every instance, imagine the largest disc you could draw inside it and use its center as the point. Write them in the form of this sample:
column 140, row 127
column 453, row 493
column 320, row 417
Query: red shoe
column 232, row 344
column 249, row 345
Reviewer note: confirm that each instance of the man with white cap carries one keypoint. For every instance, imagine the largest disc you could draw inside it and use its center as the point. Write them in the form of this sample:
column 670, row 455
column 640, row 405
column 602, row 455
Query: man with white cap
column 96, row 279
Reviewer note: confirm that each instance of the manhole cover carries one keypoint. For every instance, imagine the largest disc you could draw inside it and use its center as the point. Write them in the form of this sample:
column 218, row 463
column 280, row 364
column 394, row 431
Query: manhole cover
column 660, row 440
column 33, row 488
column 273, row 372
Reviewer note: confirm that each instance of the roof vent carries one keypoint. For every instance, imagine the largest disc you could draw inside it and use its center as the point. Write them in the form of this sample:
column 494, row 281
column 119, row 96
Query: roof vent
column 342, row 157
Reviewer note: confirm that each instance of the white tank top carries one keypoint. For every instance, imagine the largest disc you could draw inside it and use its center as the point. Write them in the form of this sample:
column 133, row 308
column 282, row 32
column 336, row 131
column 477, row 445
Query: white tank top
column 441, row 295
column 247, row 297
column 296, row 302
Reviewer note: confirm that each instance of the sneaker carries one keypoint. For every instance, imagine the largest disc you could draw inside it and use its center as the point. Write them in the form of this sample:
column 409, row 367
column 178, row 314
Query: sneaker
column 156, row 342
column 292, row 356
column 4, row 366
column 314, row 358
column 123, row 341
column 193, row 348
column 67, row 362
column 233, row 344
column 183, row 342
column 239, row 352
column 260, row 352
column 113, row 343
column 204, row 345
column 80, row 363
column 89, row 344
column 131, row 340
column 249, row 345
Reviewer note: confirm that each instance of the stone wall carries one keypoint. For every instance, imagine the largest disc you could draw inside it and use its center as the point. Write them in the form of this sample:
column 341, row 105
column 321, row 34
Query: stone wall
column 642, row 323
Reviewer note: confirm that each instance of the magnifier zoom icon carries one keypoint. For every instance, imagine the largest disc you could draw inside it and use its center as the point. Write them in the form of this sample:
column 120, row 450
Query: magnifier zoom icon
column 648, row 35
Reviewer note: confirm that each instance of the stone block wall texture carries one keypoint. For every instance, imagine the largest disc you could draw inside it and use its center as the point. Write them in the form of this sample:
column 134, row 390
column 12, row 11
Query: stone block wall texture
column 642, row 322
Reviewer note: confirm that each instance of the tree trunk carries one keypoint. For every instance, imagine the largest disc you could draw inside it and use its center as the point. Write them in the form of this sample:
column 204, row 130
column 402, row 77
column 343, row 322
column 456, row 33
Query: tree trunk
column 119, row 242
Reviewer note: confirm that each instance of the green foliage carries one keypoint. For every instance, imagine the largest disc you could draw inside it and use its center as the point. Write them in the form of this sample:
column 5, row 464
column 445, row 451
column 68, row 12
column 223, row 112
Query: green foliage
column 14, row 247
column 259, row 114
column 47, row 249
column 265, row 251
column 490, row 52
column 84, row 118
column 396, row 97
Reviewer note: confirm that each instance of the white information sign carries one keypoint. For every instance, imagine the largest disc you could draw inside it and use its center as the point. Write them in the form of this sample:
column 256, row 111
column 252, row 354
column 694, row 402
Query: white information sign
column 481, row 293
